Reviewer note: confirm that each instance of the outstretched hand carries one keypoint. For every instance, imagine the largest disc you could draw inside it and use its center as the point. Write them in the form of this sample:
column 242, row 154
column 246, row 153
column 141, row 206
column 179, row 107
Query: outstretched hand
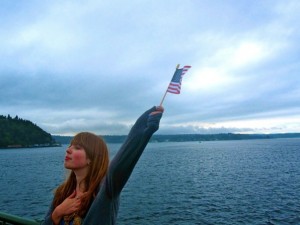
column 148, row 119
column 159, row 109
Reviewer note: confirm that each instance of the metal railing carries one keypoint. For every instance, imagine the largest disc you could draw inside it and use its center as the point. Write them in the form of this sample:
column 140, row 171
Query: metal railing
column 7, row 219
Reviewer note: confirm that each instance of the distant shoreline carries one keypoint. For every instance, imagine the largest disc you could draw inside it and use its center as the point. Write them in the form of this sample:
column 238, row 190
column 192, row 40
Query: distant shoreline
column 117, row 139
column 60, row 140
column 187, row 137
column 32, row 146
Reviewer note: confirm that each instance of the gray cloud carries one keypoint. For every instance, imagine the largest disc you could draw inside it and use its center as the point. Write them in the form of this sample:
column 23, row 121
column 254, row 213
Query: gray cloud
column 96, row 66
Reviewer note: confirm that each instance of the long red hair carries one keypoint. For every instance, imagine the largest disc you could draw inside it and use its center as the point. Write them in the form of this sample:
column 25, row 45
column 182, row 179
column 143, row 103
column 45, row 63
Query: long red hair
column 97, row 151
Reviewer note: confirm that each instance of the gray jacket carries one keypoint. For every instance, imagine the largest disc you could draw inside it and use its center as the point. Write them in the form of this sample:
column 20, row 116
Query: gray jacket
column 104, row 209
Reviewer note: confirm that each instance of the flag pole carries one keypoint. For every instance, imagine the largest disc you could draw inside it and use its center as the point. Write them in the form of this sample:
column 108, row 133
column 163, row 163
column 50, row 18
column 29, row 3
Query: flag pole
column 167, row 89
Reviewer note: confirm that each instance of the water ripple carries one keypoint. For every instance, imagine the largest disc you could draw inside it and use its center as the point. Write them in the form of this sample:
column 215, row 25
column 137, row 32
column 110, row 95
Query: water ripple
column 225, row 182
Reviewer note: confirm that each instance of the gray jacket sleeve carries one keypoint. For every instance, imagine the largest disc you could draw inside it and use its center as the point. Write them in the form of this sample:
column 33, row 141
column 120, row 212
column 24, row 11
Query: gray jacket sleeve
column 125, row 160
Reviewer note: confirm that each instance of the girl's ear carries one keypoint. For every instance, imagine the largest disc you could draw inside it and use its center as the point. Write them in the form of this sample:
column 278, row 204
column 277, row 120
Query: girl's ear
column 88, row 162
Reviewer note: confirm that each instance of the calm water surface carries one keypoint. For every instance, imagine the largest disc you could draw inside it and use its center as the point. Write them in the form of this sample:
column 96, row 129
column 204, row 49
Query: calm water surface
column 222, row 182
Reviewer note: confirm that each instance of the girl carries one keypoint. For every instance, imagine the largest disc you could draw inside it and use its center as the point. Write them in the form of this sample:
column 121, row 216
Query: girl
column 91, row 193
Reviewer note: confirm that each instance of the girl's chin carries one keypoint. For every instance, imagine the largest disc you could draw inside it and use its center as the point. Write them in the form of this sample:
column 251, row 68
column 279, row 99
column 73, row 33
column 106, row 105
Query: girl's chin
column 67, row 166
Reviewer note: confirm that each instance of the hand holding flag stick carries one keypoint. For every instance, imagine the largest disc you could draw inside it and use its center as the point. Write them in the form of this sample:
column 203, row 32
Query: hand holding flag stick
column 175, row 84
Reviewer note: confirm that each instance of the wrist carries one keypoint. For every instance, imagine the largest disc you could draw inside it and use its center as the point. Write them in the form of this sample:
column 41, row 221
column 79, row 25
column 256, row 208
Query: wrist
column 56, row 215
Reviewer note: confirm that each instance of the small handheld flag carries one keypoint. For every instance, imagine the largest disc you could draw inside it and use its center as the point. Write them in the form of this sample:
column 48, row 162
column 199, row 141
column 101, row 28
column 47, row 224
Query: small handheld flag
column 175, row 84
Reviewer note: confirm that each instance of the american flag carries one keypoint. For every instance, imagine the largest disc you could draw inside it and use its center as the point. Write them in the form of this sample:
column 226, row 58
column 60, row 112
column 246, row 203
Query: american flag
column 175, row 84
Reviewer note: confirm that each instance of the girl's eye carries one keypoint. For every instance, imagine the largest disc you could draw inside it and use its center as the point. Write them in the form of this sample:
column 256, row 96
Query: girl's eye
column 78, row 147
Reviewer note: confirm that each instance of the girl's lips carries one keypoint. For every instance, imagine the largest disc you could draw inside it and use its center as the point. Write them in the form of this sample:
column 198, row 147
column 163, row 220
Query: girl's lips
column 67, row 158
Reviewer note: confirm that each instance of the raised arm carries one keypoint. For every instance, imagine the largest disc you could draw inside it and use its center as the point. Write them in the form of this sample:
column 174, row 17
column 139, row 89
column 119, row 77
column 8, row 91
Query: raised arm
column 125, row 160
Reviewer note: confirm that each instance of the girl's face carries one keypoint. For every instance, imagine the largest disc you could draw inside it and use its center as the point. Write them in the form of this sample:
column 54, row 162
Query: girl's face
column 76, row 158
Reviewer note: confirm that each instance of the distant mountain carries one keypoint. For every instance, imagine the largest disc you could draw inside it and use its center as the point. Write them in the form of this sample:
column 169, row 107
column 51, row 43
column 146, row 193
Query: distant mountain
column 188, row 137
column 219, row 137
column 20, row 133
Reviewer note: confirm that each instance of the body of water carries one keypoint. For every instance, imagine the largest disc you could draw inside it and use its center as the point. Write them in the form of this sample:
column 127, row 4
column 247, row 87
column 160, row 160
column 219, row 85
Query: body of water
column 220, row 182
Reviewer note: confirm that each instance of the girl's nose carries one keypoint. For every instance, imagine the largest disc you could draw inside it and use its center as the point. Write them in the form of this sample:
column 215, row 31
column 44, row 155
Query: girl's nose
column 69, row 150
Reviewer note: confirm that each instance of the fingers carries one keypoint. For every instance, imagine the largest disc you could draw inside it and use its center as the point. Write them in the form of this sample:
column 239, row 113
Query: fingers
column 70, row 205
column 155, row 112
column 77, row 204
column 72, row 195
column 159, row 109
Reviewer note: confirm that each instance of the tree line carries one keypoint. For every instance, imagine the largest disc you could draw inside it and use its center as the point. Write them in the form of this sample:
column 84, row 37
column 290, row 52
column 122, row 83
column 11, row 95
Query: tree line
column 17, row 132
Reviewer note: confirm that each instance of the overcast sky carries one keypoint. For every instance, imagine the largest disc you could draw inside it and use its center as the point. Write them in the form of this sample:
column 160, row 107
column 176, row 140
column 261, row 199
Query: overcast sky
column 71, row 66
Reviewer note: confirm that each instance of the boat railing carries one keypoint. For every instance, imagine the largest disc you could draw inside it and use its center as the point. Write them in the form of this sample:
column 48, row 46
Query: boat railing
column 8, row 219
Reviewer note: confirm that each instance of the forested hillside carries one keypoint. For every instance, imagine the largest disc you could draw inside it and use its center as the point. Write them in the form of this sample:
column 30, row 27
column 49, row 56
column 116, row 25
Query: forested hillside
column 17, row 132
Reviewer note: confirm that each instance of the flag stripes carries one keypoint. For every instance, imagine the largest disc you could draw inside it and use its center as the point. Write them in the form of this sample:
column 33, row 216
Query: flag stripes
column 175, row 84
